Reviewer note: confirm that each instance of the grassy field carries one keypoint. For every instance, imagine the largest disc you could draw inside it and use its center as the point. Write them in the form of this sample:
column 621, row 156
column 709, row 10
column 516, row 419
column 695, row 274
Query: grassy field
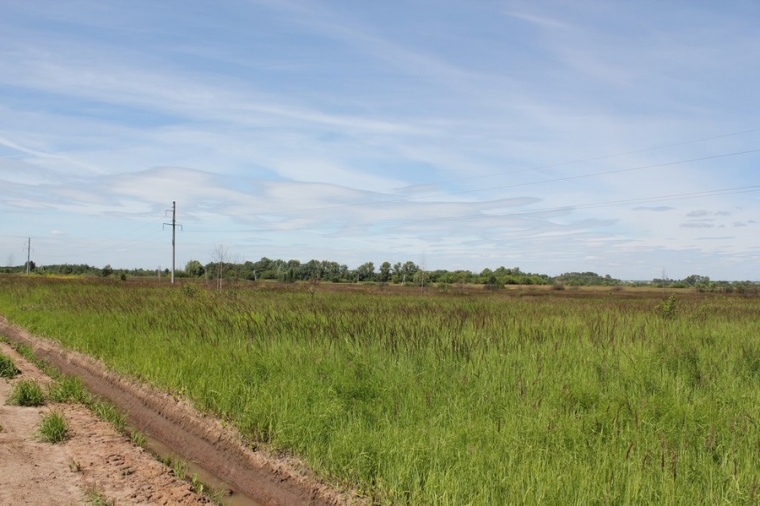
column 425, row 397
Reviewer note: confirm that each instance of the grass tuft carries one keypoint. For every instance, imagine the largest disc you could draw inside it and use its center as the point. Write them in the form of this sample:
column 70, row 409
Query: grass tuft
column 96, row 498
column 138, row 438
column 53, row 428
column 27, row 393
column 109, row 413
column 69, row 389
column 7, row 367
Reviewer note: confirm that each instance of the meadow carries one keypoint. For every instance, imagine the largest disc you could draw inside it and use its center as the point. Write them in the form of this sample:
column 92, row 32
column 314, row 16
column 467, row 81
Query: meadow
column 446, row 396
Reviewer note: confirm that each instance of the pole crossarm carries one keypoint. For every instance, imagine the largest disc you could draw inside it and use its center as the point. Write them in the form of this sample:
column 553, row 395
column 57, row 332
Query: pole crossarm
column 174, row 226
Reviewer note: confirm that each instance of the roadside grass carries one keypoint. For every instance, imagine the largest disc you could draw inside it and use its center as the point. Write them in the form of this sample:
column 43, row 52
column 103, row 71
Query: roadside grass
column 27, row 393
column 109, row 413
column 97, row 498
column 519, row 396
column 68, row 389
column 8, row 369
column 53, row 428
column 178, row 466
column 138, row 438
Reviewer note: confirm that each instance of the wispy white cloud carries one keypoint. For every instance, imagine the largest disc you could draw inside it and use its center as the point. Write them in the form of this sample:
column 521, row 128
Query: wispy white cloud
column 472, row 133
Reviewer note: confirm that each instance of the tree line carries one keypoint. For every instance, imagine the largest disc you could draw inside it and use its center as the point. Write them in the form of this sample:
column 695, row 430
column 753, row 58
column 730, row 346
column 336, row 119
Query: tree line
column 324, row 270
column 410, row 273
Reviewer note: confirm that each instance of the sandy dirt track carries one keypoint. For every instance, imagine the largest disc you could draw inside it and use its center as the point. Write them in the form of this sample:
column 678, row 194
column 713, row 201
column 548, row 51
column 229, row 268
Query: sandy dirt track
column 95, row 458
column 269, row 480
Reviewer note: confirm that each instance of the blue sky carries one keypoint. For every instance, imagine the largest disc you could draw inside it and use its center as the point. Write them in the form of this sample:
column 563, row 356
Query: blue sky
column 556, row 136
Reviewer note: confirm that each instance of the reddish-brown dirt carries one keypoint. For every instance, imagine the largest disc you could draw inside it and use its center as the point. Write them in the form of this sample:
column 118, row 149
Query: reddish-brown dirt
column 267, row 479
column 95, row 459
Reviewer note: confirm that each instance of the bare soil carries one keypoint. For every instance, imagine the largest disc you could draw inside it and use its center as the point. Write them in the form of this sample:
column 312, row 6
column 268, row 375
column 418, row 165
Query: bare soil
column 96, row 458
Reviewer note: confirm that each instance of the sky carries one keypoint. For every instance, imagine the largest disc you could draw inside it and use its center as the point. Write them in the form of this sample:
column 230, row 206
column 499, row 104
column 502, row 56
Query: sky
column 555, row 136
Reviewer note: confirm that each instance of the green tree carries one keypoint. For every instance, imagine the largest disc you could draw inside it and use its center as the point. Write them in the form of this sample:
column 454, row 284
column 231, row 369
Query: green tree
column 408, row 270
column 194, row 268
column 385, row 272
column 366, row 271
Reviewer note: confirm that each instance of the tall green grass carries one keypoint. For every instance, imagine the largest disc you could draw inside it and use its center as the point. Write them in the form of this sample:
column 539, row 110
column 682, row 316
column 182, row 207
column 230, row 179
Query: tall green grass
column 427, row 398
column 8, row 369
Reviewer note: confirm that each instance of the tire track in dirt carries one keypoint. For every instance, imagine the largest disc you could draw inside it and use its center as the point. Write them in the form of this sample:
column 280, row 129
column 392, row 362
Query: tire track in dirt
column 194, row 437
column 95, row 459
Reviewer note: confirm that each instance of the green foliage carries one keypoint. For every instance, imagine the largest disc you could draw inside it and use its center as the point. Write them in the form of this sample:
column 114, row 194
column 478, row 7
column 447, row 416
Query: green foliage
column 585, row 279
column 68, row 389
column 178, row 466
column 97, row 498
column 511, row 397
column 191, row 290
column 53, row 428
column 668, row 308
column 138, row 438
column 108, row 412
column 194, row 269
column 197, row 486
column 27, row 393
column 7, row 367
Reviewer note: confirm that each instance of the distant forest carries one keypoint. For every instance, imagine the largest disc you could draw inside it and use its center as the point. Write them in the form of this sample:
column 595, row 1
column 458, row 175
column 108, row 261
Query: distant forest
column 408, row 273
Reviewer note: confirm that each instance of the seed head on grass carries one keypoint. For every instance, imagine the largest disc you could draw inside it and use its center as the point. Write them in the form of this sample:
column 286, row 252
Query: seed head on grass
column 27, row 393
column 7, row 368
column 53, row 428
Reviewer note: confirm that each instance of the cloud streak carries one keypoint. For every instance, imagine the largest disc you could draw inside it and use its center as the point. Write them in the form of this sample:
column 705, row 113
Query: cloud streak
column 555, row 137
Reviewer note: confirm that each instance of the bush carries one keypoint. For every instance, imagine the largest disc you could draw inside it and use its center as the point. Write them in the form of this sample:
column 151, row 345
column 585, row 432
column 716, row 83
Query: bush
column 190, row 290
column 27, row 393
column 668, row 308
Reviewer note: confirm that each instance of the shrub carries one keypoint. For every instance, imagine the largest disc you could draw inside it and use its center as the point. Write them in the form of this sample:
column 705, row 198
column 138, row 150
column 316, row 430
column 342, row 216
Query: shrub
column 27, row 393
column 190, row 290
column 668, row 308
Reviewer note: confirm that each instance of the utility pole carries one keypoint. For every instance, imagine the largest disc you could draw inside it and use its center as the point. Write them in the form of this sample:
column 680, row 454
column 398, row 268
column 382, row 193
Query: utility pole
column 174, row 235
column 29, row 256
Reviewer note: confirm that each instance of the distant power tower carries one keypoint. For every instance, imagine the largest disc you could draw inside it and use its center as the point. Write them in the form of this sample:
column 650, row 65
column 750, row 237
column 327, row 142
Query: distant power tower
column 174, row 226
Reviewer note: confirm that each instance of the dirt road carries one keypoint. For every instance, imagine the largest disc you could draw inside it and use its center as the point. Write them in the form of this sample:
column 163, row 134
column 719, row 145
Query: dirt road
column 96, row 458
